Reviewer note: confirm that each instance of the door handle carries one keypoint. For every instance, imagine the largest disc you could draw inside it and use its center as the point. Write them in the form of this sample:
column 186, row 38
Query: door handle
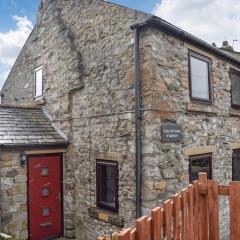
column 43, row 225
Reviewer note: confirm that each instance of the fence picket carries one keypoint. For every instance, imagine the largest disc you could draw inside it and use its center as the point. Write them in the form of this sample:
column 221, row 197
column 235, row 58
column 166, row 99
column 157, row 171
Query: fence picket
column 149, row 230
column 190, row 212
column 196, row 211
column 124, row 234
column 157, row 223
column 213, row 206
column 234, row 198
column 176, row 216
column 141, row 228
column 168, row 218
column 133, row 234
column 184, row 213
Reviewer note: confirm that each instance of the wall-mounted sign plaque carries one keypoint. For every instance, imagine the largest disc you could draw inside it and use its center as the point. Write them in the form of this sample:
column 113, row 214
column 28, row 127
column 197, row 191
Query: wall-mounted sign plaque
column 171, row 132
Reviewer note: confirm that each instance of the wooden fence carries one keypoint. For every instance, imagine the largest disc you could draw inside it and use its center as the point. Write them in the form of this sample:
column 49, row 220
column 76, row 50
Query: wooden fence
column 192, row 214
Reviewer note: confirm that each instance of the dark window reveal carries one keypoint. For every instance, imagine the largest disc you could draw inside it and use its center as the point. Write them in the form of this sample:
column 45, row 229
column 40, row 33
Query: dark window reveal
column 200, row 163
column 107, row 185
column 235, row 88
column 199, row 75
column 236, row 165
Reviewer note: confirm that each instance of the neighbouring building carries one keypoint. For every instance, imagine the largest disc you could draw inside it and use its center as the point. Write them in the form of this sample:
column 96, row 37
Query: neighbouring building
column 125, row 107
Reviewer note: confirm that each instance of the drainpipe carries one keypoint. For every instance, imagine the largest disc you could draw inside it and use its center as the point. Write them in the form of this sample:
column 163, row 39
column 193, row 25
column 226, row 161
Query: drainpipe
column 138, row 156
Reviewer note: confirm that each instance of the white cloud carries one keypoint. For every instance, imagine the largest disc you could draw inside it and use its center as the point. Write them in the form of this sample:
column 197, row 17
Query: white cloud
column 11, row 43
column 212, row 21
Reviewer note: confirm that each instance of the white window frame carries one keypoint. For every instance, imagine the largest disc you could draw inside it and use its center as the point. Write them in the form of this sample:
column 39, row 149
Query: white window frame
column 35, row 83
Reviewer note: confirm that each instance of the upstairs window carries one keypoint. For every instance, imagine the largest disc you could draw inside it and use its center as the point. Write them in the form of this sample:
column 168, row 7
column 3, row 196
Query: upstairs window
column 38, row 81
column 107, row 185
column 235, row 88
column 200, row 163
column 199, row 74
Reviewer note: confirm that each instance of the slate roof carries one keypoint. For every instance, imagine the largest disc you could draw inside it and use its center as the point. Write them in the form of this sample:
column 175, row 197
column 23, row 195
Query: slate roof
column 27, row 126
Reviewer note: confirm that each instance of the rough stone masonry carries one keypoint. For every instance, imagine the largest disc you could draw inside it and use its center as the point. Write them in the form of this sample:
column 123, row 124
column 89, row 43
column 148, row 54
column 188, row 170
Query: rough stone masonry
column 86, row 49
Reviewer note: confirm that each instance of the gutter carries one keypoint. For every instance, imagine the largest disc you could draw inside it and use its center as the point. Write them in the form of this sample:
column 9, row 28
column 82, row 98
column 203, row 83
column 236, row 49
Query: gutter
column 138, row 155
column 169, row 28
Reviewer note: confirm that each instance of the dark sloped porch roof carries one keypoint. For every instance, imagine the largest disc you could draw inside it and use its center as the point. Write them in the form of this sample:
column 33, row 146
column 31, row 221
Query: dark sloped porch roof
column 28, row 126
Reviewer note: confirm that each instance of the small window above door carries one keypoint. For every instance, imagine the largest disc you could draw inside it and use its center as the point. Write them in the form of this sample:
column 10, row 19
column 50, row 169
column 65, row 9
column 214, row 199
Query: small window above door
column 38, row 81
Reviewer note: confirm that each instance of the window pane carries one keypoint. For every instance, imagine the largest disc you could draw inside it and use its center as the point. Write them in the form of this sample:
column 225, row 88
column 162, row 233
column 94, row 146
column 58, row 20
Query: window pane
column 235, row 79
column 45, row 192
column 199, row 78
column 107, row 185
column 44, row 171
column 38, row 82
column 200, row 165
column 45, row 212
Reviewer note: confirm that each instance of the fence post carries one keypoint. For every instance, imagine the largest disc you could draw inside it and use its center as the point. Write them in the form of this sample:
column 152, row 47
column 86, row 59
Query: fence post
column 203, row 206
column 213, row 206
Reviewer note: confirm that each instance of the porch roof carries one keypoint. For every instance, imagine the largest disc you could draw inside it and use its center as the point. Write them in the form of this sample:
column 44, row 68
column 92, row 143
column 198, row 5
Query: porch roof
column 28, row 126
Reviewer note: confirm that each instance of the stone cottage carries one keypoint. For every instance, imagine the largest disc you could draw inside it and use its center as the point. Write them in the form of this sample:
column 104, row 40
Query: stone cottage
column 129, row 109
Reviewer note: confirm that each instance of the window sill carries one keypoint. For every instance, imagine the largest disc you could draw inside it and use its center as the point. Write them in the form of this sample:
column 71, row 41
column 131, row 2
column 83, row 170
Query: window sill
column 234, row 112
column 193, row 107
column 100, row 214
column 39, row 100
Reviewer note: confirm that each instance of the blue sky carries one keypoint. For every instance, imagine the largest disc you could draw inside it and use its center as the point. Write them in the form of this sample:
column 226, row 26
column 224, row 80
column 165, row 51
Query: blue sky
column 29, row 8
column 210, row 20
column 10, row 8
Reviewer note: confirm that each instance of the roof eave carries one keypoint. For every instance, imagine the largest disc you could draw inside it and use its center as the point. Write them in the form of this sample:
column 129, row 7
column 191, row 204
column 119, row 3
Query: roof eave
column 35, row 145
column 183, row 35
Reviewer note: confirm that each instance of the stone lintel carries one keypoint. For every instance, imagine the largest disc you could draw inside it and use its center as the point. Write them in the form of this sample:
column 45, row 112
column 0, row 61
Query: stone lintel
column 199, row 150
column 235, row 145
column 114, row 156
column 45, row 151
column 198, row 50
column 234, row 112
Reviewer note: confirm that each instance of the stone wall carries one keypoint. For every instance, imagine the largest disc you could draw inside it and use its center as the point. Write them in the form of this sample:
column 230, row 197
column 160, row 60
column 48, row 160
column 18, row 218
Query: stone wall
column 206, row 129
column 86, row 49
column 13, row 194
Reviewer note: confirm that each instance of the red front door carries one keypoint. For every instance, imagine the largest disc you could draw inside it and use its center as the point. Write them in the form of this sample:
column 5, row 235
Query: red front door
column 45, row 197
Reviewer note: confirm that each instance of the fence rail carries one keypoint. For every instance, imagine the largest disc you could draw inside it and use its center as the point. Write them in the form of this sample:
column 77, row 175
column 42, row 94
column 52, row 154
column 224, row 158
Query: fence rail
column 192, row 214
